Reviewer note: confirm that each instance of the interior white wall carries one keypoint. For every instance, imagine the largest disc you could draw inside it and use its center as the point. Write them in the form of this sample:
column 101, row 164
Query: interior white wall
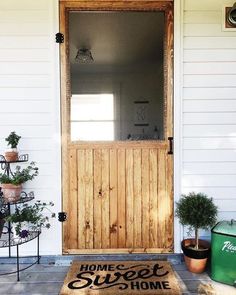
column 128, row 87
column 30, row 100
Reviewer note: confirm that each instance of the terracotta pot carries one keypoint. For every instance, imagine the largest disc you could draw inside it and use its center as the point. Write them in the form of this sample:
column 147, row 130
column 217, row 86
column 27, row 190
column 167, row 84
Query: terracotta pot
column 11, row 192
column 11, row 156
column 195, row 260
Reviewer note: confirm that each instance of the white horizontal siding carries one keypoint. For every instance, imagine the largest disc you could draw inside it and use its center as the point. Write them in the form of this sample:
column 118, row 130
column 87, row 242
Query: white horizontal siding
column 211, row 143
column 29, row 16
column 25, row 5
column 36, row 93
column 212, row 168
column 24, row 29
column 209, row 104
column 26, row 106
column 209, row 42
column 33, row 119
column 209, row 156
column 203, row 30
column 202, row 17
column 25, row 68
column 209, row 118
column 216, row 81
column 210, row 68
column 203, row 5
column 22, row 42
column 24, row 81
column 29, row 97
column 209, row 93
column 24, row 55
column 210, row 55
column 202, row 130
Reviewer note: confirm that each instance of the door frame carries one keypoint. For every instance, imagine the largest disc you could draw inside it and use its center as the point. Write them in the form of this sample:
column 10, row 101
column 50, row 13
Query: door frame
column 108, row 5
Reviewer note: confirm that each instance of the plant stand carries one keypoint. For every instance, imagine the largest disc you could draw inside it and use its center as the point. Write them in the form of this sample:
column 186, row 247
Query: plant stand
column 17, row 243
column 10, row 241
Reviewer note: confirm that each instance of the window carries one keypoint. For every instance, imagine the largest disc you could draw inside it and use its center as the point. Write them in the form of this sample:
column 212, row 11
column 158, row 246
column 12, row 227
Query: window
column 92, row 117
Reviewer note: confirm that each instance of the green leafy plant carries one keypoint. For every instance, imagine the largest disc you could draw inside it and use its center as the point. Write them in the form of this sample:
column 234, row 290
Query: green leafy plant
column 13, row 139
column 38, row 215
column 196, row 211
column 20, row 175
column 3, row 207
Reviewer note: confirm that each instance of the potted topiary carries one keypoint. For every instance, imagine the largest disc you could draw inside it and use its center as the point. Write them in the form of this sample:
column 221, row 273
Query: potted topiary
column 12, row 184
column 29, row 218
column 11, row 154
column 196, row 211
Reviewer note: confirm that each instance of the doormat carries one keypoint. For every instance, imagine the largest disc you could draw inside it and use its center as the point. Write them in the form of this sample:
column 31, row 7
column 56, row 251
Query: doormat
column 118, row 277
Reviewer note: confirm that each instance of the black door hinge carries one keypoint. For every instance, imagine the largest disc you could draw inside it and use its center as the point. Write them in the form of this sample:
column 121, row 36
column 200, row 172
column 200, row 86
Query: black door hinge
column 170, row 152
column 62, row 216
column 59, row 38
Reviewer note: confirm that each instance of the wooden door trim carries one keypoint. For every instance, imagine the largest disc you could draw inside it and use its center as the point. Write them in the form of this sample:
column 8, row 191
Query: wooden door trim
column 115, row 5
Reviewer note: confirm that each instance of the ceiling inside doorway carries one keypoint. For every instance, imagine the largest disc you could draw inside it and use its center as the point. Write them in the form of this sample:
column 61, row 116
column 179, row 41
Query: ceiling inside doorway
column 116, row 39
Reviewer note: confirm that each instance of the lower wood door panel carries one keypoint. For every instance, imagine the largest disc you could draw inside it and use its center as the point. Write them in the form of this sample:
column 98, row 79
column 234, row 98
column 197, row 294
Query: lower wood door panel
column 119, row 200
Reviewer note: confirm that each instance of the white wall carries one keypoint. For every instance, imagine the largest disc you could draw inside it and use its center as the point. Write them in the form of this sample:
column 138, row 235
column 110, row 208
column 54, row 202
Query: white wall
column 30, row 100
column 209, row 104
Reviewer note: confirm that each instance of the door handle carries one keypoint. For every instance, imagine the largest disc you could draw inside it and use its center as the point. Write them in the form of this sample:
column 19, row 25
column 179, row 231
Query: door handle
column 170, row 152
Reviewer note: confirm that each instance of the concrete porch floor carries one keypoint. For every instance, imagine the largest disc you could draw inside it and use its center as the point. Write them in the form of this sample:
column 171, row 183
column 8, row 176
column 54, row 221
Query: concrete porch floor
column 47, row 277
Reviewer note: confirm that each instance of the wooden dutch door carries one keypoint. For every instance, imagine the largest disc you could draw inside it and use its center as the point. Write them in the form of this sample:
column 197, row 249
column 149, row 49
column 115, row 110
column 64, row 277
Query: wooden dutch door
column 118, row 194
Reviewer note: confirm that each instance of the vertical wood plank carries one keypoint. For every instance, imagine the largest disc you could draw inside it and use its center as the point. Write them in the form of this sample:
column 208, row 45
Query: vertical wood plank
column 89, row 199
column 121, row 199
column 97, row 198
column 137, row 198
column 73, row 201
column 129, row 199
column 145, row 197
column 113, row 199
column 168, row 73
column 162, row 216
column 81, row 198
column 169, row 203
column 105, row 200
column 153, row 198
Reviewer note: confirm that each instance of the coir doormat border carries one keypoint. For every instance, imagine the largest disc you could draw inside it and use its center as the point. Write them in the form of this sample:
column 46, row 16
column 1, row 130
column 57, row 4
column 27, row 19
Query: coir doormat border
column 120, row 277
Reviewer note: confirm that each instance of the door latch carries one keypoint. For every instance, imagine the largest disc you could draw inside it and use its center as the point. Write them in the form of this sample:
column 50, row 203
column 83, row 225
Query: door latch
column 170, row 152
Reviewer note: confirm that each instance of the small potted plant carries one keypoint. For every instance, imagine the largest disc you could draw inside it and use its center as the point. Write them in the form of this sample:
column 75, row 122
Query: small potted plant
column 12, row 140
column 28, row 218
column 196, row 211
column 12, row 185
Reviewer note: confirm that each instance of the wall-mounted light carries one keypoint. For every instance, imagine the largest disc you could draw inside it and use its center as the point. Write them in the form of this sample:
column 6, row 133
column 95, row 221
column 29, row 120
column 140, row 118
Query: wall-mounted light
column 231, row 17
column 84, row 55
